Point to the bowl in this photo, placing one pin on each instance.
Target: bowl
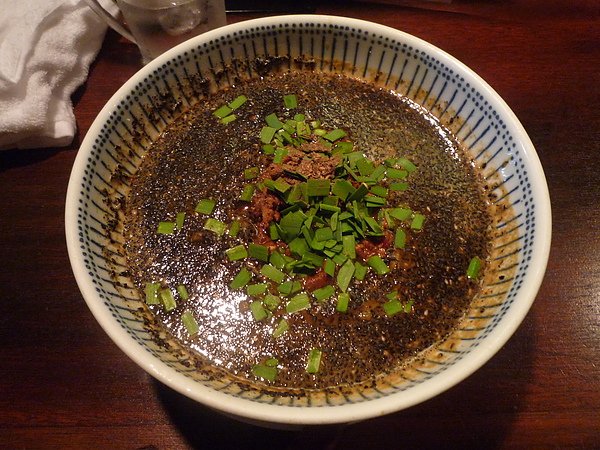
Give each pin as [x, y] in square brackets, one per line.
[486, 127]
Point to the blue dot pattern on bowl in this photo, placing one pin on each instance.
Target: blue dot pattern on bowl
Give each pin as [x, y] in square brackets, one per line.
[390, 63]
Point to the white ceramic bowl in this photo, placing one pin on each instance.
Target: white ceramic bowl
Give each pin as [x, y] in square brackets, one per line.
[480, 119]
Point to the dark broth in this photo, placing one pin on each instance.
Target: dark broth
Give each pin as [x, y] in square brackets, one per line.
[197, 158]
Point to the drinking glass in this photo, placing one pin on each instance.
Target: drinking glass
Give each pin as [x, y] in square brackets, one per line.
[157, 25]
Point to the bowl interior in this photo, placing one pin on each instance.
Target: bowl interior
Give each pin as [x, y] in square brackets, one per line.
[465, 104]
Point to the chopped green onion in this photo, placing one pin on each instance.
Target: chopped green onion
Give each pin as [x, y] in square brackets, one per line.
[374, 201]
[266, 134]
[329, 267]
[393, 307]
[398, 186]
[280, 153]
[359, 193]
[298, 303]
[378, 265]
[349, 243]
[206, 206]
[271, 301]
[151, 292]
[344, 275]
[167, 299]
[290, 101]
[256, 289]
[360, 271]
[343, 189]
[281, 328]
[396, 174]
[342, 302]
[272, 273]
[258, 311]
[268, 149]
[378, 174]
[343, 146]
[289, 287]
[182, 291]
[179, 220]
[166, 227]
[216, 226]
[247, 193]
[400, 213]
[314, 361]
[273, 121]
[236, 253]
[260, 252]
[189, 322]
[408, 306]
[241, 279]
[222, 112]
[237, 102]
[228, 119]
[251, 172]
[234, 228]
[323, 234]
[417, 222]
[264, 372]
[406, 165]
[392, 295]
[334, 135]
[277, 260]
[400, 238]
[324, 292]
[474, 267]
[379, 191]
[318, 187]
[364, 166]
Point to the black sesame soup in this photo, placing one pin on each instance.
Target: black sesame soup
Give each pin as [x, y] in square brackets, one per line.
[307, 230]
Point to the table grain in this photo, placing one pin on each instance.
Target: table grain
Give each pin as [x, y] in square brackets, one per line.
[64, 384]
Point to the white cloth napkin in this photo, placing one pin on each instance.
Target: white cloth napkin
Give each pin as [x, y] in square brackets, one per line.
[46, 48]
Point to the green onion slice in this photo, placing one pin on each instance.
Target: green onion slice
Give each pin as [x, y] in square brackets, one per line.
[166, 227]
[167, 299]
[393, 307]
[290, 101]
[237, 102]
[190, 323]
[205, 206]
[378, 265]
[474, 268]
[241, 279]
[151, 292]
[272, 273]
[264, 372]
[342, 302]
[345, 275]
[314, 361]
[324, 293]
[258, 311]
[236, 253]
[179, 220]
[216, 226]
[182, 291]
[281, 328]
[298, 303]
[256, 289]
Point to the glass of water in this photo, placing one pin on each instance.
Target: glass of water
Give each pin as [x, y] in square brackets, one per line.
[157, 25]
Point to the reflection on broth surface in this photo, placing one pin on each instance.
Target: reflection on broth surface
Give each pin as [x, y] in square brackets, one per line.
[396, 311]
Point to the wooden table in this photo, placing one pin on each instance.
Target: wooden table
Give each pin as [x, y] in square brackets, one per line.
[64, 384]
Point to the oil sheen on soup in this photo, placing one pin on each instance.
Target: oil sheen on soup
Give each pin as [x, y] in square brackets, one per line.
[307, 230]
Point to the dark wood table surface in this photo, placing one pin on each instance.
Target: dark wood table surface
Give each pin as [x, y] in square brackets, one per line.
[64, 384]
